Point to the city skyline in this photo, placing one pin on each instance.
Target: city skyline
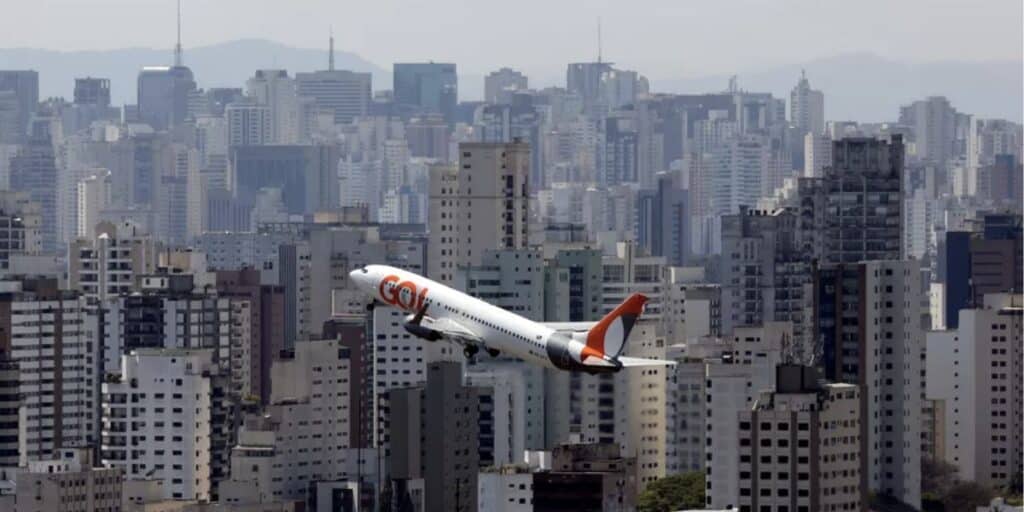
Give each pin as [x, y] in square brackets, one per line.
[633, 38]
[474, 260]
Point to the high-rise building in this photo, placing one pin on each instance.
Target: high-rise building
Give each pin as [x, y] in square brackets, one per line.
[10, 404]
[34, 171]
[434, 431]
[249, 124]
[854, 213]
[109, 262]
[20, 223]
[619, 163]
[56, 349]
[739, 167]
[763, 270]
[163, 95]
[807, 108]
[24, 88]
[92, 91]
[584, 79]
[619, 88]
[593, 476]
[279, 92]
[801, 446]
[430, 87]
[1002, 181]
[168, 312]
[989, 259]
[933, 123]
[94, 196]
[157, 420]
[428, 137]
[302, 435]
[347, 94]
[68, 481]
[978, 390]
[266, 330]
[500, 85]
[731, 383]
[868, 323]
[483, 204]
[663, 220]
[817, 154]
[517, 122]
[306, 175]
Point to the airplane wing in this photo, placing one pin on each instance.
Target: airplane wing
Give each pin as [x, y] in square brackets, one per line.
[628, 362]
[570, 326]
[453, 331]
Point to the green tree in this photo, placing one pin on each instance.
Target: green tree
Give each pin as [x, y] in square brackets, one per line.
[967, 496]
[673, 493]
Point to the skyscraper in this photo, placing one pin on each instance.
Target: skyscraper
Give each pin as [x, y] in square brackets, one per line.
[979, 365]
[854, 212]
[763, 269]
[434, 432]
[584, 78]
[933, 122]
[429, 87]
[739, 167]
[25, 87]
[346, 93]
[249, 124]
[92, 91]
[807, 108]
[483, 204]
[306, 175]
[57, 352]
[786, 435]
[279, 92]
[34, 171]
[163, 91]
[976, 263]
[868, 322]
[500, 85]
[663, 220]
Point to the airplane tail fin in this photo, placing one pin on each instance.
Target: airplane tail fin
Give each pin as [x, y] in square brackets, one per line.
[608, 337]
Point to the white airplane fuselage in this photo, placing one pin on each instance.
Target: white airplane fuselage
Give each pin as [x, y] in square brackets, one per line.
[460, 316]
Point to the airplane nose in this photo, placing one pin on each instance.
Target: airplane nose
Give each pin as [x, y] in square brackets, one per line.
[361, 277]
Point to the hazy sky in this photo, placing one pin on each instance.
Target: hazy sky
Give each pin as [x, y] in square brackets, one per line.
[664, 38]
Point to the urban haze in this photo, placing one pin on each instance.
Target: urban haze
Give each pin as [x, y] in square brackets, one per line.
[663, 256]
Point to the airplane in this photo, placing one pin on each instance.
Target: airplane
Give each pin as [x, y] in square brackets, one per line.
[438, 312]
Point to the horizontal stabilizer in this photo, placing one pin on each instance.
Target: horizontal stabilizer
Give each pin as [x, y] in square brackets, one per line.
[597, 361]
[628, 362]
[570, 326]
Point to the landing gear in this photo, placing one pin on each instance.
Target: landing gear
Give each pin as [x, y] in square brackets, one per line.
[470, 351]
[493, 352]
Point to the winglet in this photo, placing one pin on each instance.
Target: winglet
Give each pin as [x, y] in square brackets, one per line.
[609, 335]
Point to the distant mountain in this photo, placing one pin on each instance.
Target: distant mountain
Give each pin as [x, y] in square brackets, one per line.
[859, 87]
[867, 87]
[227, 64]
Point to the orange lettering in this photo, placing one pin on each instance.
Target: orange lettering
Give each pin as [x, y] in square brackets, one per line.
[386, 294]
[394, 294]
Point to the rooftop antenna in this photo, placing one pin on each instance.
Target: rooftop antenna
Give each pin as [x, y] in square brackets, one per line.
[177, 47]
[598, 39]
[330, 56]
